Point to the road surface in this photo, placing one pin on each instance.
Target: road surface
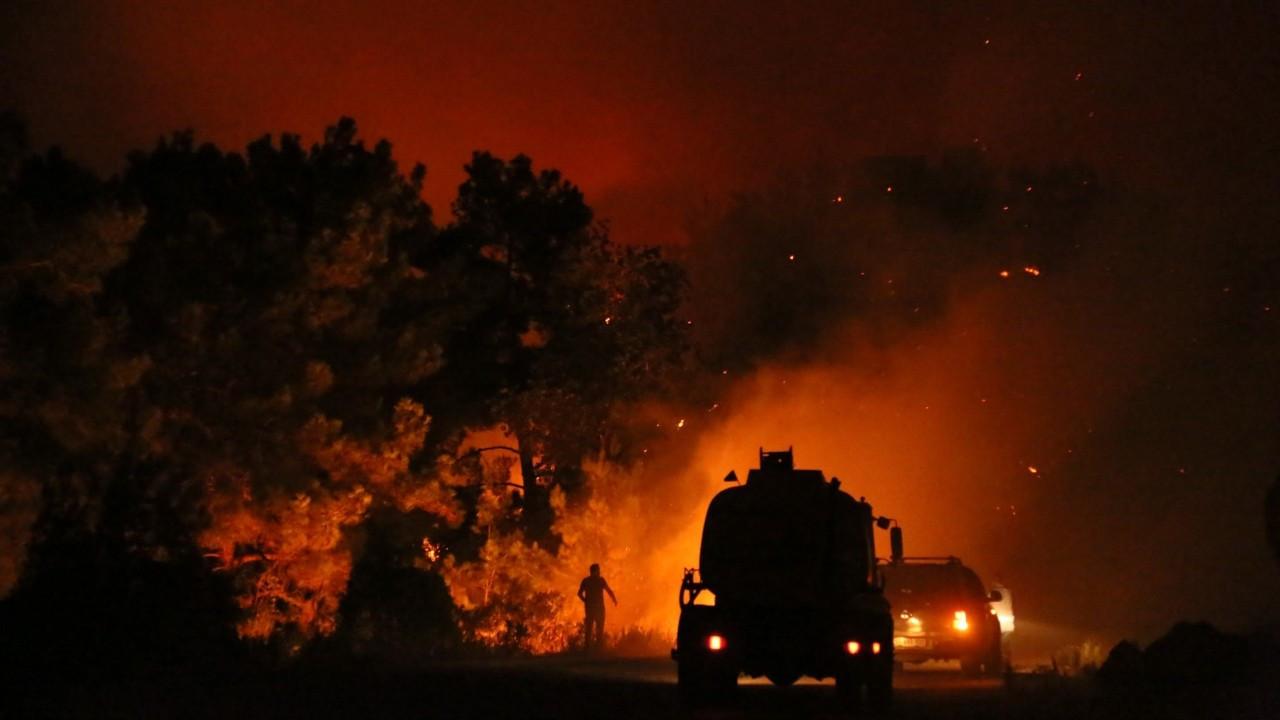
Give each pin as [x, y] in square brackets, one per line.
[573, 687]
[620, 689]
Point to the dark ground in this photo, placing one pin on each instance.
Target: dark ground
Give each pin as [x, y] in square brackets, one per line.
[604, 688]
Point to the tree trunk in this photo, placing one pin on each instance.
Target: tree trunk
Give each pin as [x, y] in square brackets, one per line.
[538, 515]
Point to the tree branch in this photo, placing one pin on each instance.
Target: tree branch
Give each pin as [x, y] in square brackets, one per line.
[477, 451]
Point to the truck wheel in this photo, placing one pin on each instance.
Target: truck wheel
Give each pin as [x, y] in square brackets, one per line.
[701, 686]
[994, 664]
[691, 683]
[725, 685]
[849, 689]
[783, 679]
[880, 685]
[880, 692]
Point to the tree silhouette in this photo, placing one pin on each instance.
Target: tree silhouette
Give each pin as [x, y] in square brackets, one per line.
[1272, 517]
[569, 326]
[248, 368]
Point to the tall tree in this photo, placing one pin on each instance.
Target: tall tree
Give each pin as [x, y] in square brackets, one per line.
[1272, 517]
[571, 327]
[269, 293]
[63, 378]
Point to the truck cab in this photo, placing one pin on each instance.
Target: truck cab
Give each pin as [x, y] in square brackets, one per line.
[789, 559]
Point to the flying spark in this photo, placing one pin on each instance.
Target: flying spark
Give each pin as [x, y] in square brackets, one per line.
[431, 550]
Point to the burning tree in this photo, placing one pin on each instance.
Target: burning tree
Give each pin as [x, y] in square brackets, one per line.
[289, 551]
[572, 327]
[517, 594]
[262, 288]
[256, 353]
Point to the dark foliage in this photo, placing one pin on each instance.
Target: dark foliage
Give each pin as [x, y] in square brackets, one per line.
[233, 385]
[1272, 517]
[1190, 654]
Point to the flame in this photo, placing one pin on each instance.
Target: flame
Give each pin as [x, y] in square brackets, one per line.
[288, 553]
[517, 594]
[431, 550]
[642, 523]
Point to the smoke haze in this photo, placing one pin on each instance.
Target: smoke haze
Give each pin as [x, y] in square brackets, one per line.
[1098, 436]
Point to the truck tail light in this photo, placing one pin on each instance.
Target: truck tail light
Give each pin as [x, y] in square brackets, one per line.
[715, 643]
[853, 646]
[875, 648]
[961, 621]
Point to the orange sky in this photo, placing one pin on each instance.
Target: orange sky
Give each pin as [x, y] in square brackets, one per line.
[652, 108]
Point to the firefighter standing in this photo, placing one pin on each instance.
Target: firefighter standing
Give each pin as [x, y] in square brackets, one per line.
[591, 592]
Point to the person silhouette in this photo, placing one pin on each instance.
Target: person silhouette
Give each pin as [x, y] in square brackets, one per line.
[591, 592]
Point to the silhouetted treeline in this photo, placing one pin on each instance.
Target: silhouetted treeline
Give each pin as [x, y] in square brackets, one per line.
[234, 385]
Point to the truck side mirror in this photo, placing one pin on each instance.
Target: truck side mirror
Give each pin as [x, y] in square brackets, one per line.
[995, 596]
[731, 477]
[895, 544]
